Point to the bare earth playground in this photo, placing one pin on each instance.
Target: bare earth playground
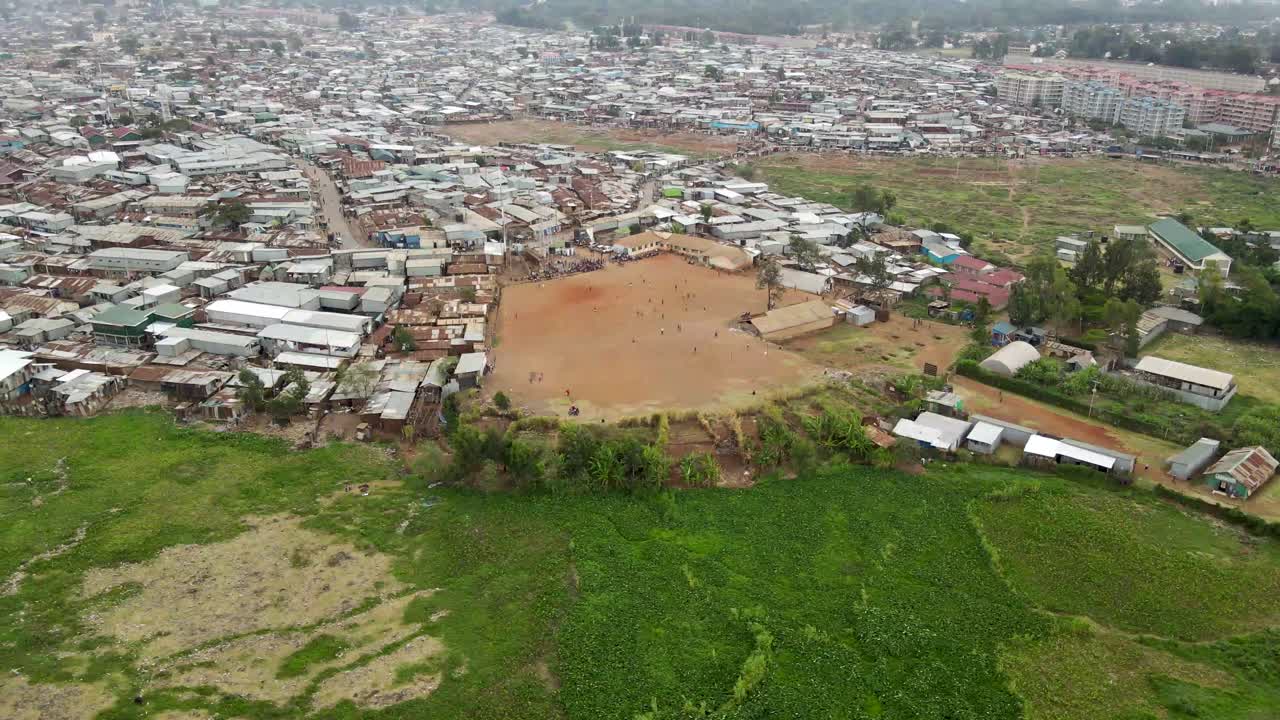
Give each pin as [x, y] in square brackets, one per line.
[636, 338]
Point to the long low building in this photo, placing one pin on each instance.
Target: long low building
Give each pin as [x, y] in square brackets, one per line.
[177, 340]
[1209, 389]
[794, 320]
[283, 338]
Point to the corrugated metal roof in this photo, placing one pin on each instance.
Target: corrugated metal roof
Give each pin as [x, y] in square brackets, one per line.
[1251, 466]
[792, 316]
[1184, 372]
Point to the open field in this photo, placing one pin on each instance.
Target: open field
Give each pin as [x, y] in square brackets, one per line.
[629, 340]
[964, 592]
[591, 139]
[898, 345]
[1255, 365]
[1017, 207]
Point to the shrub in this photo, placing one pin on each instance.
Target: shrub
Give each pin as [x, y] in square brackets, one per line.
[699, 470]
[501, 401]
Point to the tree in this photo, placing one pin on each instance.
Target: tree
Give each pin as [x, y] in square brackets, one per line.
[769, 278]
[1023, 306]
[251, 393]
[1088, 270]
[100, 17]
[501, 401]
[130, 44]
[403, 339]
[277, 48]
[713, 72]
[347, 21]
[706, 212]
[804, 252]
[361, 378]
[294, 41]
[213, 39]
[982, 313]
[232, 213]
[874, 271]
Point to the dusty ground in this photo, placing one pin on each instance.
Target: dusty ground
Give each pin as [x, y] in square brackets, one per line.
[247, 666]
[621, 341]
[589, 139]
[889, 347]
[374, 685]
[276, 575]
[20, 700]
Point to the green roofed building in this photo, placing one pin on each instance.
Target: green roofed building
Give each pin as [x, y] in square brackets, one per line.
[175, 313]
[120, 325]
[1191, 249]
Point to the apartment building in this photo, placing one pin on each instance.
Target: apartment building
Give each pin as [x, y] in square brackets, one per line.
[1022, 88]
[1092, 100]
[1252, 112]
[1150, 117]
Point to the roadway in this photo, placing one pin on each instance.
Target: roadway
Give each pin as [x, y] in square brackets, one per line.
[331, 215]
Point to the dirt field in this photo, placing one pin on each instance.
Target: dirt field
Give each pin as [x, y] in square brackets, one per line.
[889, 347]
[193, 594]
[590, 139]
[621, 341]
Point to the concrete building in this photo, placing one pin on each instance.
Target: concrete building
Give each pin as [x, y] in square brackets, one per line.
[1152, 117]
[1188, 247]
[1208, 389]
[1092, 100]
[123, 261]
[1030, 89]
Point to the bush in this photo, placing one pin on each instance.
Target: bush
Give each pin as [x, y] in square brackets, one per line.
[699, 470]
[501, 401]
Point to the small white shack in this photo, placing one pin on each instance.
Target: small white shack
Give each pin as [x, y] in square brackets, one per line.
[984, 438]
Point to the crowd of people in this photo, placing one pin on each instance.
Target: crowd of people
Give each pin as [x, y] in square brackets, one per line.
[562, 268]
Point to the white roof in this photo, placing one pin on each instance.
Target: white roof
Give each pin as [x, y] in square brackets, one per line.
[12, 361]
[985, 433]
[470, 363]
[1050, 448]
[310, 336]
[920, 433]
[241, 307]
[311, 360]
[1184, 372]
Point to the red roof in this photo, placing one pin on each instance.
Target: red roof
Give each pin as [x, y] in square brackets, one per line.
[1004, 277]
[120, 132]
[970, 262]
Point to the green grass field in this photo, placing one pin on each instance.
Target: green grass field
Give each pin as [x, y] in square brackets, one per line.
[1015, 208]
[1255, 365]
[851, 593]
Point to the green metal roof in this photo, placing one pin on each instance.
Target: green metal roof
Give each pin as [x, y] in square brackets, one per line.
[172, 310]
[121, 316]
[1181, 238]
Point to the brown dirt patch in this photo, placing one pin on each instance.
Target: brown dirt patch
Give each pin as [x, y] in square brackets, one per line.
[373, 685]
[893, 346]
[622, 341]
[21, 700]
[587, 138]
[275, 575]
[247, 666]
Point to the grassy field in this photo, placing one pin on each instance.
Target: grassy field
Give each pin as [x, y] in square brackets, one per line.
[1255, 365]
[218, 575]
[1015, 208]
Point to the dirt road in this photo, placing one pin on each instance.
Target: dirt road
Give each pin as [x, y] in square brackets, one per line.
[331, 206]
